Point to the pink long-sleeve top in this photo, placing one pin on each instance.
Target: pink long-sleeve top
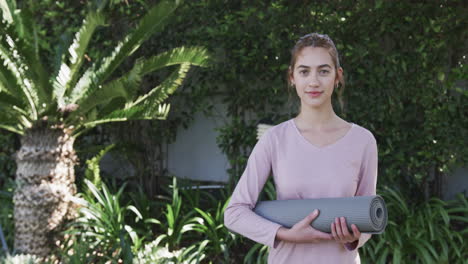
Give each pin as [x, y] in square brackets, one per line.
[345, 168]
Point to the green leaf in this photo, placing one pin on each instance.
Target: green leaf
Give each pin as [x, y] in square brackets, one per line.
[10, 82]
[152, 221]
[94, 191]
[159, 111]
[383, 257]
[132, 233]
[154, 21]
[209, 219]
[135, 210]
[8, 101]
[11, 114]
[69, 71]
[197, 56]
[13, 61]
[147, 106]
[22, 42]
[441, 76]
[125, 86]
[423, 252]
[13, 128]
[161, 92]
[396, 256]
[8, 10]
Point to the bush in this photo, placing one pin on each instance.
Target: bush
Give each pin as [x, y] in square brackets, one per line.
[102, 224]
[431, 232]
[154, 253]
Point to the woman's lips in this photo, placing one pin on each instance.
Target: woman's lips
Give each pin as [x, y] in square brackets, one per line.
[314, 94]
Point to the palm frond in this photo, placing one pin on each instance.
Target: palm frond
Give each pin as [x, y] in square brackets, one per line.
[8, 100]
[197, 56]
[154, 21]
[10, 120]
[14, 63]
[8, 112]
[8, 11]
[166, 88]
[24, 40]
[29, 23]
[20, 20]
[14, 116]
[157, 111]
[10, 84]
[68, 73]
[147, 106]
[125, 87]
[13, 128]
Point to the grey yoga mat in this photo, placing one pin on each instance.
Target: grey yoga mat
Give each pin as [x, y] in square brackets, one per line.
[368, 213]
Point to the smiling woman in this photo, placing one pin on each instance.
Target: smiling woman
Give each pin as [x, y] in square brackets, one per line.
[317, 154]
[315, 69]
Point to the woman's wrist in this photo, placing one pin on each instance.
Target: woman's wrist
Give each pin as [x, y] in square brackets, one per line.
[283, 234]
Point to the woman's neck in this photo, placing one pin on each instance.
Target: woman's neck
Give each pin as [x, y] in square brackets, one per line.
[317, 118]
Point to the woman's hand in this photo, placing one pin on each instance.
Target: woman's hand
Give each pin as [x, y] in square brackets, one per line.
[340, 231]
[303, 232]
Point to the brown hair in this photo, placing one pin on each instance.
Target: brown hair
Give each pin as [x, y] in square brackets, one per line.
[315, 40]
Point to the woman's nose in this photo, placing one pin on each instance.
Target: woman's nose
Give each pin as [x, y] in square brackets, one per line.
[313, 81]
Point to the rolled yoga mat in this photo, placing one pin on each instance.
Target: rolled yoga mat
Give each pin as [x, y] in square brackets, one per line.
[368, 213]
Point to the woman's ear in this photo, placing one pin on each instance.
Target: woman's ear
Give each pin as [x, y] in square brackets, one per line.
[290, 75]
[339, 75]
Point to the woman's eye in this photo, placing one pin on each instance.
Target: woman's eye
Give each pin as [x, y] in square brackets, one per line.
[303, 72]
[324, 71]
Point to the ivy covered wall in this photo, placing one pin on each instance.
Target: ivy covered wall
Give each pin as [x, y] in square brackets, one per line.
[404, 62]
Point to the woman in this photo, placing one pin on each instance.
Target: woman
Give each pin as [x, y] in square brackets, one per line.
[317, 154]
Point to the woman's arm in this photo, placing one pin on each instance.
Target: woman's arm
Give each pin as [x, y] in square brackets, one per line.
[303, 232]
[367, 183]
[238, 216]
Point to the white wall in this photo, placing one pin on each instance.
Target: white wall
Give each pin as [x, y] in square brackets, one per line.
[456, 183]
[195, 153]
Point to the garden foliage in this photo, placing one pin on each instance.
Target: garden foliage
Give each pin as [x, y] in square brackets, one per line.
[405, 71]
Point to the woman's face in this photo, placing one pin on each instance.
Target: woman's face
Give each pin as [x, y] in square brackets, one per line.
[314, 76]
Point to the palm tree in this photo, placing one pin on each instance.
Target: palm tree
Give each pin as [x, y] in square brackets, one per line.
[51, 109]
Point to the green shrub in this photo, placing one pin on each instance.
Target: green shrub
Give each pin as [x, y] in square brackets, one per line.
[153, 253]
[431, 232]
[175, 222]
[258, 253]
[216, 239]
[102, 224]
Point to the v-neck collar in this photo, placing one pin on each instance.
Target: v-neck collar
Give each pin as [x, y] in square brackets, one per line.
[323, 147]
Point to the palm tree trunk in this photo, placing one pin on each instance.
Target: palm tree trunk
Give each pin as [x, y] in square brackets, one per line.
[45, 181]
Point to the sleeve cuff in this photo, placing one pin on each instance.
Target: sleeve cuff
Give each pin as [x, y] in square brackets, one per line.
[275, 242]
